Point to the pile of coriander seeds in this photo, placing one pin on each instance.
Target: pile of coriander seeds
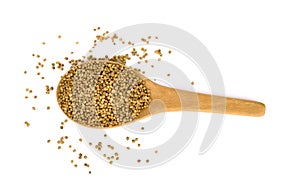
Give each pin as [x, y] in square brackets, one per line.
[102, 94]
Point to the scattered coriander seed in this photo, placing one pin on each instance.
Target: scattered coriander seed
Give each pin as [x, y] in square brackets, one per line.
[72, 161]
[85, 157]
[74, 150]
[75, 165]
[128, 148]
[27, 123]
[90, 172]
[59, 36]
[25, 72]
[48, 141]
[76, 43]
[127, 138]
[169, 51]
[44, 43]
[59, 147]
[35, 97]
[48, 107]
[158, 52]
[168, 74]
[26, 97]
[61, 127]
[142, 128]
[138, 161]
[70, 146]
[139, 145]
[90, 143]
[80, 139]
[33, 108]
[147, 161]
[192, 83]
[110, 162]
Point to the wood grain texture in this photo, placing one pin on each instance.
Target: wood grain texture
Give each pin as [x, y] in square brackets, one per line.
[165, 99]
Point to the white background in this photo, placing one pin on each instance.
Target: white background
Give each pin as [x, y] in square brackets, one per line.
[256, 45]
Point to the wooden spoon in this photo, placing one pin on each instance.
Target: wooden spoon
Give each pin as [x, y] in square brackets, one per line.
[165, 99]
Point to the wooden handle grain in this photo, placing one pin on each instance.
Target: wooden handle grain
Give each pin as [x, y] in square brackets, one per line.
[181, 100]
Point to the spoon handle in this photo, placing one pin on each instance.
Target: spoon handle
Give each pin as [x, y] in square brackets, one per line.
[218, 104]
[181, 100]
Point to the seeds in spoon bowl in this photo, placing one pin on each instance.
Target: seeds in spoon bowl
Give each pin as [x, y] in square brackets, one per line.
[102, 94]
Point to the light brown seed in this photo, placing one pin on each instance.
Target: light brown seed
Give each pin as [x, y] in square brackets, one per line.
[27, 123]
